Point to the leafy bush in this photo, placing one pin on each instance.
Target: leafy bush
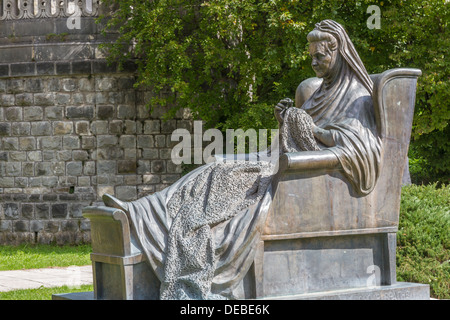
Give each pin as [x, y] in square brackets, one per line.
[423, 238]
[230, 61]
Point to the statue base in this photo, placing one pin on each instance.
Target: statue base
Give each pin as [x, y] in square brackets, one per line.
[397, 291]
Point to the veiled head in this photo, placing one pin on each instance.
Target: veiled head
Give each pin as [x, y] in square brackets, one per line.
[323, 49]
[338, 46]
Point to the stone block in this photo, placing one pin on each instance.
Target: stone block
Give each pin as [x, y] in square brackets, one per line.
[71, 142]
[105, 112]
[44, 99]
[33, 113]
[150, 154]
[52, 143]
[11, 211]
[74, 168]
[54, 113]
[19, 128]
[28, 170]
[129, 127]
[115, 127]
[5, 225]
[126, 193]
[5, 129]
[151, 178]
[126, 112]
[21, 226]
[52, 226]
[27, 143]
[101, 190]
[80, 112]
[21, 182]
[58, 168]
[59, 211]
[80, 155]
[48, 155]
[160, 141]
[45, 68]
[106, 167]
[42, 211]
[145, 141]
[13, 114]
[16, 86]
[43, 169]
[81, 67]
[184, 124]
[36, 225]
[69, 225]
[41, 128]
[173, 168]
[62, 99]
[13, 169]
[24, 99]
[27, 211]
[168, 126]
[88, 142]
[158, 166]
[64, 155]
[101, 98]
[126, 166]
[78, 98]
[85, 84]
[152, 126]
[62, 127]
[169, 178]
[23, 69]
[34, 156]
[82, 127]
[127, 141]
[33, 85]
[68, 85]
[105, 84]
[104, 141]
[89, 168]
[102, 66]
[6, 182]
[50, 182]
[10, 143]
[62, 68]
[4, 70]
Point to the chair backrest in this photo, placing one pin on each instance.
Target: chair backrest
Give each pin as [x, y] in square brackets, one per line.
[394, 98]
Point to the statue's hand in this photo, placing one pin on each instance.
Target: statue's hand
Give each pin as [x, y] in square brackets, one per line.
[281, 107]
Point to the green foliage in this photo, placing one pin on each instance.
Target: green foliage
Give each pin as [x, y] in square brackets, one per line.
[423, 238]
[231, 61]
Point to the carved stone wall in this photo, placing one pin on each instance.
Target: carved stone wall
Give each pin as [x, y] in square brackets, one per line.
[72, 127]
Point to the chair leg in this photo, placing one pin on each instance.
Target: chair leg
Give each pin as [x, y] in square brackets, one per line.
[127, 282]
[389, 273]
[258, 265]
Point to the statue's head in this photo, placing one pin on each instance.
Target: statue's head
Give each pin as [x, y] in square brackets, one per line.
[330, 47]
[323, 49]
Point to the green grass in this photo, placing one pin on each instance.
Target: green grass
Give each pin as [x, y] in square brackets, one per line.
[41, 293]
[423, 239]
[42, 256]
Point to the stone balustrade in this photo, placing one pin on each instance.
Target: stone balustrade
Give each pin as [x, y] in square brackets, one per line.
[38, 9]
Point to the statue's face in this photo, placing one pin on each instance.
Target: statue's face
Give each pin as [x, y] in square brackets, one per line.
[322, 59]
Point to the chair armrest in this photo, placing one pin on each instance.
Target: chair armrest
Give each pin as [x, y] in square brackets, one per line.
[110, 230]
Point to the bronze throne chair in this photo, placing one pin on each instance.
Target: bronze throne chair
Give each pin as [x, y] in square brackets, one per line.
[320, 239]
